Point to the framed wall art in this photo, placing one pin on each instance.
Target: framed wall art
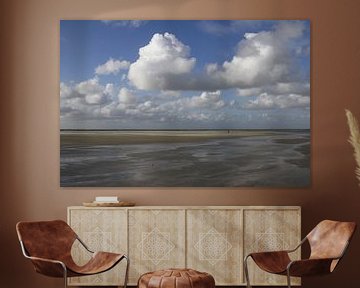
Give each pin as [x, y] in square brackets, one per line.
[182, 103]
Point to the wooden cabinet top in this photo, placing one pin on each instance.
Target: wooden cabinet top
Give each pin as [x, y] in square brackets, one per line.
[194, 207]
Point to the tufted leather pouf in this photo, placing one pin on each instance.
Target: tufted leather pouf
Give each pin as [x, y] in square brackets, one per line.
[176, 278]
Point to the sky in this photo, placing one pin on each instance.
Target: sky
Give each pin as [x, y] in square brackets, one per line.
[180, 74]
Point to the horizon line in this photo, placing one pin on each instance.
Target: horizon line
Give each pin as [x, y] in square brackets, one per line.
[206, 129]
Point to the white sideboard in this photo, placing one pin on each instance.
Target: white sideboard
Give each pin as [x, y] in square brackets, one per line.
[212, 239]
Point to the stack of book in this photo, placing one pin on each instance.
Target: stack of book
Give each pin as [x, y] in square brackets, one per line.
[106, 199]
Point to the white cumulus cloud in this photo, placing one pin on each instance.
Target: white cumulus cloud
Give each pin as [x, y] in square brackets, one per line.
[211, 100]
[249, 91]
[112, 67]
[202, 108]
[266, 101]
[161, 63]
[85, 99]
[262, 59]
[126, 98]
[65, 91]
[94, 92]
[279, 88]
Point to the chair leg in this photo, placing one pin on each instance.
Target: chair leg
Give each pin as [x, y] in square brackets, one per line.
[127, 271]
[246, 270]
[65, 276]
[288, 278]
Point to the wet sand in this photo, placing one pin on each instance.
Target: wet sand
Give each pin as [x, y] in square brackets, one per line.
[185, 158]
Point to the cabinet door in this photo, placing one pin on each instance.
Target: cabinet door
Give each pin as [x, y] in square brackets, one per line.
[100, 230]
[214, 244]
[270, 230]
[156, 240]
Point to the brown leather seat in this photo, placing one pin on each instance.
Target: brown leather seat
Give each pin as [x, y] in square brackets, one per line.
[48, 245]
[328, 242]
[176, 278]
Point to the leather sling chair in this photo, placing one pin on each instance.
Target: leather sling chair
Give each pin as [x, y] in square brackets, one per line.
[48, 245]
[328, 242]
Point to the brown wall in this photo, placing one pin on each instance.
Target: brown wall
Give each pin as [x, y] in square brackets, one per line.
[29, 111]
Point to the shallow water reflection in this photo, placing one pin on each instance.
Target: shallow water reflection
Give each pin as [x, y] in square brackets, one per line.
[280, 159]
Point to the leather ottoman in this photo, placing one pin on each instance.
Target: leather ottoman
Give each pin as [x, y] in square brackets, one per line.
[176, 278]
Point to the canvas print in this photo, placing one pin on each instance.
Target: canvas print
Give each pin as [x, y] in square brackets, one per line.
[184, 103]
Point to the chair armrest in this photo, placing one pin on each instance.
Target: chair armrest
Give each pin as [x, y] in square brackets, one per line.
[268, 254]
[45, 260]
[298, 246]
[309, 267]
[280, 251]
[83, 244]
[48, 267]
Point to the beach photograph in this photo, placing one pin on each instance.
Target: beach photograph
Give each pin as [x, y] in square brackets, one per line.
[178, 103]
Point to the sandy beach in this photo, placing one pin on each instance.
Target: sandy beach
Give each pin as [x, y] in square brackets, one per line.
[93, 137]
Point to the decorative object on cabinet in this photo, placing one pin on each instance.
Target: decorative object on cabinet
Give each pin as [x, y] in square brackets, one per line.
[48, 245]
[109, 204]
[328, 242]
[204, 238]
[176, 278]
[106, 199]
[185, 103]
[354, 140]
